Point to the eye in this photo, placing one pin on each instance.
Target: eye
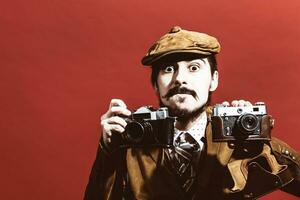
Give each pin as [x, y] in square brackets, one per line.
[194, 67]
[168, 69]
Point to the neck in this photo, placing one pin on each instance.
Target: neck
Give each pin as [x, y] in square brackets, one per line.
[185, 123]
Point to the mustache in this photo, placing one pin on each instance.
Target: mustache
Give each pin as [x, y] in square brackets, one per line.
[179, 90]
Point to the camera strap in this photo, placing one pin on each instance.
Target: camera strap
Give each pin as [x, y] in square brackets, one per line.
[246, 174]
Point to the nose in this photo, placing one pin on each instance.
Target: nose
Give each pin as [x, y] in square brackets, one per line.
[180, 77]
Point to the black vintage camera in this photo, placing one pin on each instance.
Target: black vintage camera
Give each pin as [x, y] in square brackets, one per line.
[149, 127]
[241, 123]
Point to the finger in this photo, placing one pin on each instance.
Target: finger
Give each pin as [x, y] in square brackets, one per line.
[117, 102]
[248, 103]
[117, 120]
[235, 103]
[106, 128]
[117, 110]
[117, 128]
[114, 103]
[225, 103]
[110, 129]
[105, 116]
[241, 103]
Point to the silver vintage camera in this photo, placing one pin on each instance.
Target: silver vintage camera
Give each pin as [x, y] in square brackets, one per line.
[241, 123]
[149, 127]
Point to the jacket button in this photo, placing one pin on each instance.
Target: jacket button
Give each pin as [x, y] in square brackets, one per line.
[286, 152]
[231, 145]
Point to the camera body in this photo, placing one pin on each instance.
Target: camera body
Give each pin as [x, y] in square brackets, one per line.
[251, 123]
[149, 127]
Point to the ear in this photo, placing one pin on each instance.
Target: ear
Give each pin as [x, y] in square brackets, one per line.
[214, 81]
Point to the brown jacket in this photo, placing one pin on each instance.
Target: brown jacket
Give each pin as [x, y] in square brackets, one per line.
[225, 171]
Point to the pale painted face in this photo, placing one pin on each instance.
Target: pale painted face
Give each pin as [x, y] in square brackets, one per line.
[184, 86]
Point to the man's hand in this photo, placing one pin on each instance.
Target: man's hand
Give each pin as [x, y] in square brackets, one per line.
[237, 103]
[112, 123]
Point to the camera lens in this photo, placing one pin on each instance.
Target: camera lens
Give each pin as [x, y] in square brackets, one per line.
[135, 131]
[248, 123]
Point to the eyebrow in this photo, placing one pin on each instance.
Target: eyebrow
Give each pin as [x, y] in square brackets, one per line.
[163, 65]
[166, 64]
[194, 61]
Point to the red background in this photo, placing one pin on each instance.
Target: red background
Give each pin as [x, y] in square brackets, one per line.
[62, 61]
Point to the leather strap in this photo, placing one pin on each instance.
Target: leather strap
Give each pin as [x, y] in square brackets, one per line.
[246, 173]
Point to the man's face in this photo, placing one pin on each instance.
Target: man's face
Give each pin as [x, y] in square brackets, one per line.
[184, 86]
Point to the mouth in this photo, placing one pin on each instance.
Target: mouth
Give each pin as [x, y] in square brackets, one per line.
[180, 98]
[181, 95]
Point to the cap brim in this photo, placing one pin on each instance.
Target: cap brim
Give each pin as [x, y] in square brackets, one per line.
[175, 55]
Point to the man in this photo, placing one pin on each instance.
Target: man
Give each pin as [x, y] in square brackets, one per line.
[184, 74]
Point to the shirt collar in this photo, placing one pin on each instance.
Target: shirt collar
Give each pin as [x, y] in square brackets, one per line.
[197, 131]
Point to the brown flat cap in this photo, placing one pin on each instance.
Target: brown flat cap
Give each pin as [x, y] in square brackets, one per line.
[180, 41]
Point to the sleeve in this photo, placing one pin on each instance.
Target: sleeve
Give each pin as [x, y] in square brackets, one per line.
[287, 156]
[106, 178]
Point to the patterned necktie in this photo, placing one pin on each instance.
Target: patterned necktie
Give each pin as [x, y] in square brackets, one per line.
[183, 158]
